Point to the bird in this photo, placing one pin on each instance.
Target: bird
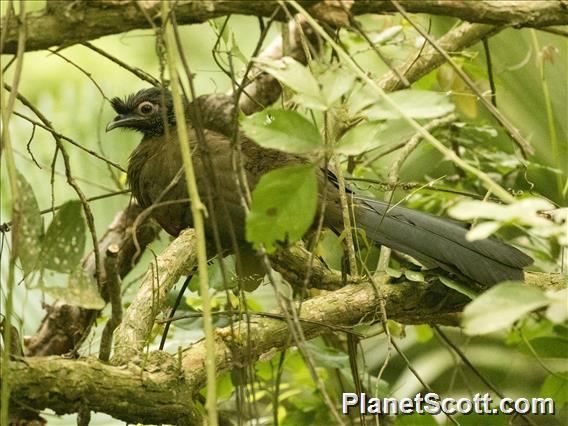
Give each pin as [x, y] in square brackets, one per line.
[155, 167]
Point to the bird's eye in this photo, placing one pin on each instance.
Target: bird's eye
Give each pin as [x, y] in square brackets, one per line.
[146, 108]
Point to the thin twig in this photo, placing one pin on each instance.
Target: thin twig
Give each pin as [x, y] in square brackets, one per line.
[418, 377]
[525, 146]
[56, 134]
[489, 63]
[85, 72]
[70, 179]
[171, 315]
[413, 185]
[5, 227]
[28, 146]
[353, 22]
[6, 112]
[553, 30]
[197, 213]
[472, 367]
[113, 288]
[142, 75]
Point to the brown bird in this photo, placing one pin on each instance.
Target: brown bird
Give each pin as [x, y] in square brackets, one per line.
[154, 172]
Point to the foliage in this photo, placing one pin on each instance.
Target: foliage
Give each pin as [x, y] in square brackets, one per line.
[283, 206]
[59, 249]
[512, 331]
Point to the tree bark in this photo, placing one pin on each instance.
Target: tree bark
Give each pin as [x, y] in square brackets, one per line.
[75, 22]
[159, 388]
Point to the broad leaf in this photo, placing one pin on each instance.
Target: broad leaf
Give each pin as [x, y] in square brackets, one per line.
[336, 83]
[387, 134]
[416, 104]
[81, 290]
[482, 230]
[330, 249]
[524, 211]
[423, 332]
[284, 130]
[359, 139]
[557, 311]
[415, 276]
[500, 306]
[556, 387]
[64, 241]
[283, 206]
[297, 77]
[393, 272]
[546, 347]
[30, 227]
[460, 288]
[327, 356]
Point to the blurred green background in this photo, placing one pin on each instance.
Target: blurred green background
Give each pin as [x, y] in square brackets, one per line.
[531, 74]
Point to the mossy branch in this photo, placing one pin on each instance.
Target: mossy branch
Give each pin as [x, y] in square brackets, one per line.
[79, 21]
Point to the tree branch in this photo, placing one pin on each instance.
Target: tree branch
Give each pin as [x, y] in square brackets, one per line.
[65, 326]
[176, 260]
[56, 336]
[162, 392]
[80, 21]
[129, 394]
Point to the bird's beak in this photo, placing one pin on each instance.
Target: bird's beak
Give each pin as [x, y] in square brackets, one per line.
[122, 121]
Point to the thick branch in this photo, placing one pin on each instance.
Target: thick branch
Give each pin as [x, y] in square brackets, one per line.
[129, 394]
[517, 13]
[79, 21]
[162, 275]
[462, 37]
[161, 393]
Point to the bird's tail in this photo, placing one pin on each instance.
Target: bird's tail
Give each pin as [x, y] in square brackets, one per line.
[439, 242]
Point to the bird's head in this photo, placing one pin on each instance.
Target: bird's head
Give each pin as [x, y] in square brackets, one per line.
[144, 111]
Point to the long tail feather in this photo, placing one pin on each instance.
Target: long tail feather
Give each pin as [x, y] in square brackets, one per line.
[441, 242]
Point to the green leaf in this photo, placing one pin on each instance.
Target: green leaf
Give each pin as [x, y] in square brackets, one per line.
[336, 82]
[29, 233]
[330, 249]
[557, 311]
[460, 288]
[328, 356]
[524, 211]
[500, 306]
[359, 139]
[236, 52]
[388, 133]
[423, 332]
[415, 276]
[215, 276]
[416, 104]
[64, 241]
[482, 230]
[546, 347]
[297, 77]
[81, 290]
[393, 272]
[224, 386]
[283, 206]
[556, 387]
[281, 129]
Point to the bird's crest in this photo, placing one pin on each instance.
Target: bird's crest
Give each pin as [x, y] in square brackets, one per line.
[129, 103]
